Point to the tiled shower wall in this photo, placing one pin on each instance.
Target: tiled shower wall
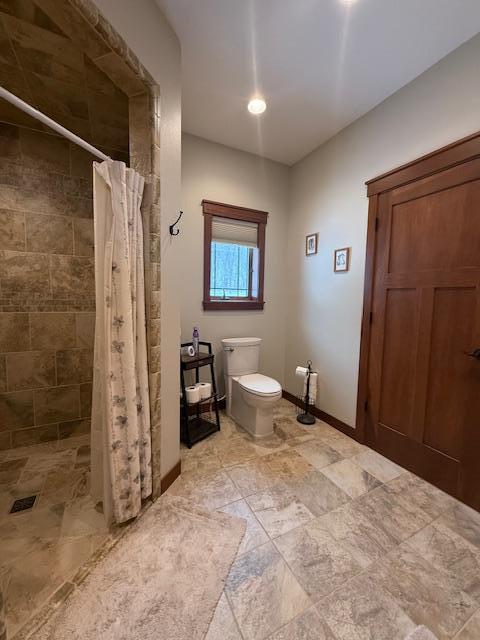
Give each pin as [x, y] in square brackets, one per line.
[47, 289]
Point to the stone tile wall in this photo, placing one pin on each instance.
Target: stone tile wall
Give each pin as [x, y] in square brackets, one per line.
[47, 287]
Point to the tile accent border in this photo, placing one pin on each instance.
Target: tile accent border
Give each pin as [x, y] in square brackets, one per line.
[125, 69]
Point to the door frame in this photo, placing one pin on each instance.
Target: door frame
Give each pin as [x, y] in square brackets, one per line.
[446, 157]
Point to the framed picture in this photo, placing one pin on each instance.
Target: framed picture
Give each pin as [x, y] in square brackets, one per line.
[342, 259]
[311, 244]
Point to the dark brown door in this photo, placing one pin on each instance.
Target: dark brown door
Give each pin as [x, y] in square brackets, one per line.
[423, 388]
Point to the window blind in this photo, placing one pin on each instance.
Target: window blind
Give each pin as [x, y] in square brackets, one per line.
[235, 232]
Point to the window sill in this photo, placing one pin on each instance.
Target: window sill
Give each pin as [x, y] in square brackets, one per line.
[233, 305]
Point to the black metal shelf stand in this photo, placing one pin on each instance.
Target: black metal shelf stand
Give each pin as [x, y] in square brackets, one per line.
[195, 427]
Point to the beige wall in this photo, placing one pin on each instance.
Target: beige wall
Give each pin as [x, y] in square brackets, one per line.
[216, 172]
[152, 39]
[328, 196]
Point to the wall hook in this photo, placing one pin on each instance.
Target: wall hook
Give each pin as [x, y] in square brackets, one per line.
[173, 231]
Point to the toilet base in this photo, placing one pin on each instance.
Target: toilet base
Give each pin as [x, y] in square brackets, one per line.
[257, 421]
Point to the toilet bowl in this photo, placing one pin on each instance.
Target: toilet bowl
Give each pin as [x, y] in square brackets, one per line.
[251, 396]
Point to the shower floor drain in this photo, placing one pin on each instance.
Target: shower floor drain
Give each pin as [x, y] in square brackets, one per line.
[22, 504]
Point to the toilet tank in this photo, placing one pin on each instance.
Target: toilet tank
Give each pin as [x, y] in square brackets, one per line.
[241, 355]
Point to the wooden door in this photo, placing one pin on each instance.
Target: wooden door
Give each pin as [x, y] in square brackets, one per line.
[423, 389]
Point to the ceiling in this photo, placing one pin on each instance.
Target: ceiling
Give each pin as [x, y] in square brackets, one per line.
[320, 64]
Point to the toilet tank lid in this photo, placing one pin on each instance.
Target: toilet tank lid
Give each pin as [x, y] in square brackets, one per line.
[241, 342]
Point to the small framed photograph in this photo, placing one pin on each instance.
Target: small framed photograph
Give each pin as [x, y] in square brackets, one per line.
[311, 244]
[342, 259]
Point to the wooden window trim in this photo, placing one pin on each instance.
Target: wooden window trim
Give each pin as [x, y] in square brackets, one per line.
[219, 209]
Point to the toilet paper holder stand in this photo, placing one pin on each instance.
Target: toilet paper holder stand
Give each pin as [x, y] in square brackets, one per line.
[306, 417]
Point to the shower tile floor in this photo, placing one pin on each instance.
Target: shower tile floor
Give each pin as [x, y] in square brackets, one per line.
[42, 548]
[341, 543]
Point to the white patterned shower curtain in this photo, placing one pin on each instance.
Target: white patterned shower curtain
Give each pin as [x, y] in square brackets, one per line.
[121, 458]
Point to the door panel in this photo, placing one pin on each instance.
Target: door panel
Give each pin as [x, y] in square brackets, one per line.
[398, 388]
[449, 246]
[423, 390]
[449, 378]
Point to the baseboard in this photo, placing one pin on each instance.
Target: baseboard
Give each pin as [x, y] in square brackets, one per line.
[171, 476]
[322, 415]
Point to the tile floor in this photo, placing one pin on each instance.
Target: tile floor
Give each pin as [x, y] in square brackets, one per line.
[341, 543]
[43, 548]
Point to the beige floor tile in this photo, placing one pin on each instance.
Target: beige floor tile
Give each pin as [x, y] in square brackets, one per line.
[287, 427]
[346, 446]
[201, 464]
[318, 453]
[351, 478]
[365, 541]
[264, 593]
[464, 521]
[32, 582]
[427, 595]
[448, 551]
[414, 493]
[44, 546]
[45, 522]
[361, 609]
[382, 468]
[255, 534]
[319, 562]
[471, 630]
[278, 510]
[302, 439]
[15, 544]
[45, 463]
[288, 464]
[236, 452]
[10, 470]
[203, 448]
[73, 443]
[223, 625]
[82, 518]
[267, 445]
[317, 492]
[212, 491]
[31, 450]
[398, 521]
[307, 626]
[253, 476]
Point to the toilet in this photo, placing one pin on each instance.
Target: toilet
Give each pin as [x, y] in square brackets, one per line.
[251, 396]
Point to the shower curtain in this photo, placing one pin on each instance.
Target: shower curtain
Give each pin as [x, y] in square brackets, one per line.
[121, 473]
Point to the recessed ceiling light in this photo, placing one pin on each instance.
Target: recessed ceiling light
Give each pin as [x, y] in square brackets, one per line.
[348, 2]
[257, 106]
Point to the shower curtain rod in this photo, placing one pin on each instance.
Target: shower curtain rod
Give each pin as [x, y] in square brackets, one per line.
[38, 115]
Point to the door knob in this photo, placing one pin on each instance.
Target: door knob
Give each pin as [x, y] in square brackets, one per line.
[474, 354]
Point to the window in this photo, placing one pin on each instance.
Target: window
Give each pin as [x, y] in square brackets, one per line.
[233, 257]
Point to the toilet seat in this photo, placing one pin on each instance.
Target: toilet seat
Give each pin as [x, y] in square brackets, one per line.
[260, 385]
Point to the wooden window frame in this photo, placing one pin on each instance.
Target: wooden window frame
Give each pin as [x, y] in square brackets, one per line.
[213, 209]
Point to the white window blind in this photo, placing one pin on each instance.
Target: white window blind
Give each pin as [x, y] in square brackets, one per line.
[235, 232]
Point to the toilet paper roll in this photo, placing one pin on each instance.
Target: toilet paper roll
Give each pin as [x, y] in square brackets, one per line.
[312, 390]
[205, 389]
[193, 394]
[301, 372]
